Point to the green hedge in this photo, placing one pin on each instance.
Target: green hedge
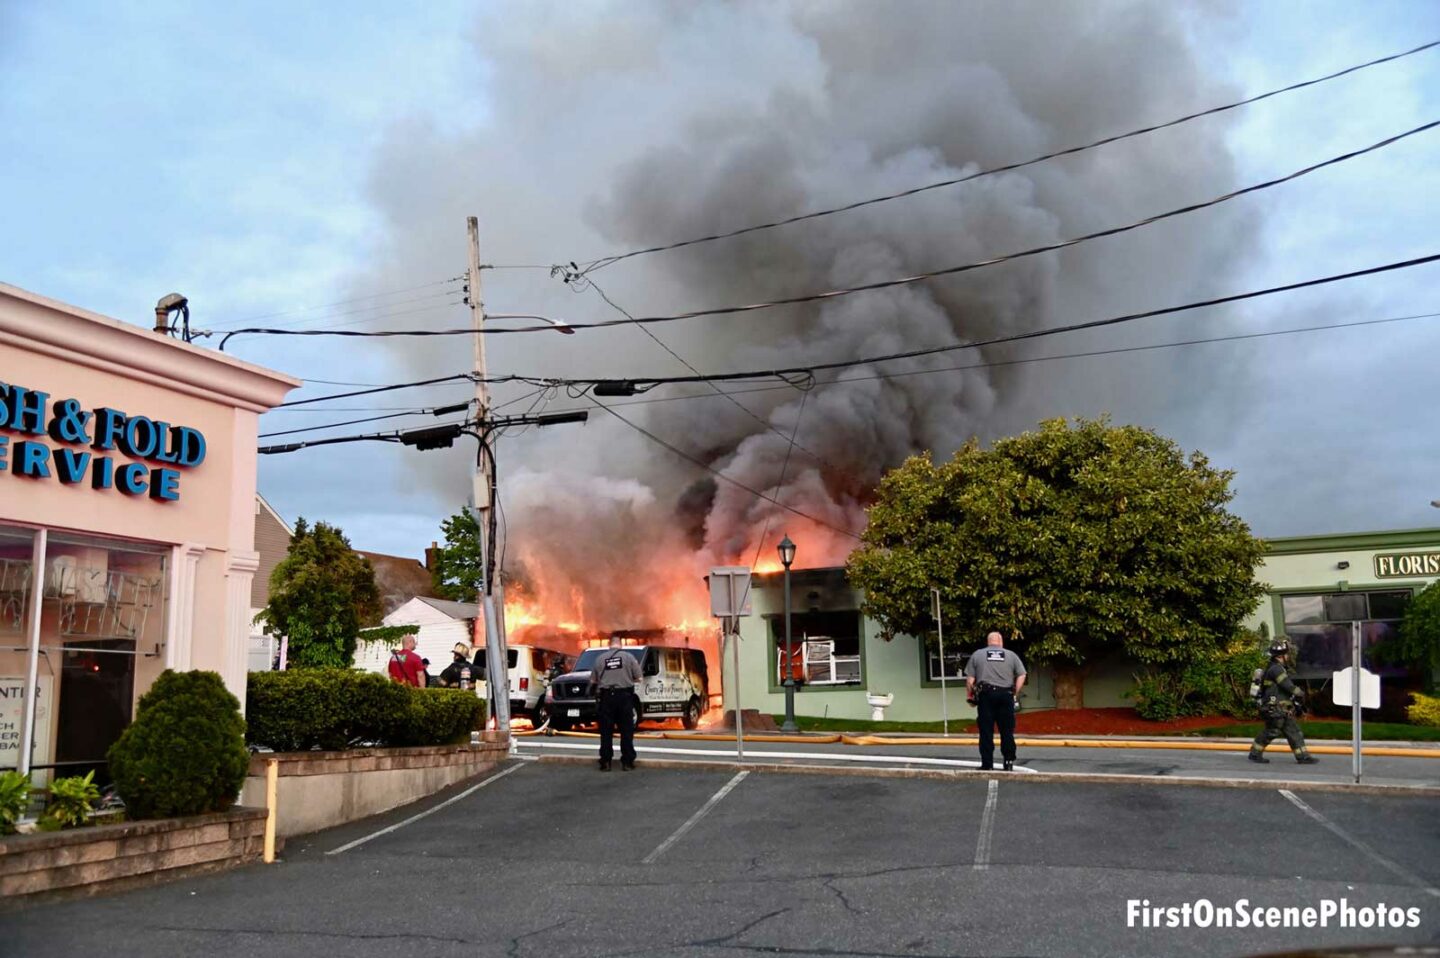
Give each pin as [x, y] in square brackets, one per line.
[302, 709]
[1214, 683]
[185, 752]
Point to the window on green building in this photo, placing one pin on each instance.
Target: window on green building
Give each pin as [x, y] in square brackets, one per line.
[825, 647]
[1320, 626]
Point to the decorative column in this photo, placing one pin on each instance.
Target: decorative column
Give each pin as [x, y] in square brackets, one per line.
[180, 633]
[239, 572]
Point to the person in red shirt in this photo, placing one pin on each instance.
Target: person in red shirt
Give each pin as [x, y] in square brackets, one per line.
[405, 666]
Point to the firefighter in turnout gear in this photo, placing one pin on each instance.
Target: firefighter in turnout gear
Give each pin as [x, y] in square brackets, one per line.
[1279, 700]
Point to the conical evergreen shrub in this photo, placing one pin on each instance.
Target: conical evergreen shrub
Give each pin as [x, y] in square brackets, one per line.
[185, 752]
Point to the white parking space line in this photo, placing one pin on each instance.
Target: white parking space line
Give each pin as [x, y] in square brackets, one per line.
[690, 822]
[429, 811]
[1375, 856]
[753, 753]
[987, 828]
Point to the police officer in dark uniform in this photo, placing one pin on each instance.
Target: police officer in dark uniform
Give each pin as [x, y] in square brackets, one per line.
[1279, 701]
[614, 678]
[994, 677]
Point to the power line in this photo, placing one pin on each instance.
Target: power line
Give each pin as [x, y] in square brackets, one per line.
[717, 473]
[604, 261]
[1052, 330]
[342, 302]
[369, 314]
[1033, 251]
[989, 364]
[883, 284]
[377, 389]
[351, 422]
[331, 410]
[438, 436]
[733, 401]
[914, 353]
[394, 436]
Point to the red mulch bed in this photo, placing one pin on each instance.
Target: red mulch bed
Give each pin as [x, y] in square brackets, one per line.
[1115, 721]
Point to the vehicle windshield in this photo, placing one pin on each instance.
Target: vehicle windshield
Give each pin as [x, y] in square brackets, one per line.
[586, 662]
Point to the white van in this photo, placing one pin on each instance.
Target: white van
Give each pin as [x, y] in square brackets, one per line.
[676, 685]
[529, 668]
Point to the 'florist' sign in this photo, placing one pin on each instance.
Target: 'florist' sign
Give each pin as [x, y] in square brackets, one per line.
[74, 432]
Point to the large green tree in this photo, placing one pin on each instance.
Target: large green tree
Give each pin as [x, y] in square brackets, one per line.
[1076, 539]
[456, 569]
[321, 594]
[1418, 644]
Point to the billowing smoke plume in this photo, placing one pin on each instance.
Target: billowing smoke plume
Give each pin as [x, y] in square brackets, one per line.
[607, 127]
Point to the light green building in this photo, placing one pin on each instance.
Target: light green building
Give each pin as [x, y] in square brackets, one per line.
[1318, 586]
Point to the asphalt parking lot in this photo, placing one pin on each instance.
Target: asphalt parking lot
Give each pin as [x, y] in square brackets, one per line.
[559, 859]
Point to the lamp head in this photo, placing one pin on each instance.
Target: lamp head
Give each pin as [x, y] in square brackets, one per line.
[787, 552]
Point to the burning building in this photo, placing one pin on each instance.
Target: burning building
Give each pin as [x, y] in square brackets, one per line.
[646, 123]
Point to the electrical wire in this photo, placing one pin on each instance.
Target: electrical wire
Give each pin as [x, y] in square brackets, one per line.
[869, 287]
[342, 302]
[604, 261]
[587, 281]
[1009, 257]
[393, 437]
[718, 474]
[428, 411]
[331, 410]
[377, 389]
[990, 364]
[1052, 330]
[930, 351]
[765, 529]
[374, 314]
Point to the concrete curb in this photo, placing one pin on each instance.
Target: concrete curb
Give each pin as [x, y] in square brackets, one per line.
[970, 741]
[1063, 778]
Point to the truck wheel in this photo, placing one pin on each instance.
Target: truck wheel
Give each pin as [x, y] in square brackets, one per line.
[635, 711]
[691, 718]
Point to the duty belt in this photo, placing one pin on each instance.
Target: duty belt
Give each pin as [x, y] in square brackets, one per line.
[987, 687]
[612, 688]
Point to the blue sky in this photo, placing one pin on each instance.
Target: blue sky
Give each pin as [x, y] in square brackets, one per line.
[229, 152]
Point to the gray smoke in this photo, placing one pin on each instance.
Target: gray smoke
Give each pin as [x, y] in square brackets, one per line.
[609, 126]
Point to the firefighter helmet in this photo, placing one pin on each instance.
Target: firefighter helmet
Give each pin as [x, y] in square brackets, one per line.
[1281, 646]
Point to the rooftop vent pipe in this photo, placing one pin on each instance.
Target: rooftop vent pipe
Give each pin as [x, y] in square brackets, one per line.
[174, 303]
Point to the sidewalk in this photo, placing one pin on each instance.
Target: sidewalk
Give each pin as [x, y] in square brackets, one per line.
[1419, 750]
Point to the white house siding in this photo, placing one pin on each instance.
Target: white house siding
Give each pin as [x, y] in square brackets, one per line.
[439, 631]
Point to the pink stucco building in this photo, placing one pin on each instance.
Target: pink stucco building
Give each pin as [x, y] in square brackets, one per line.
[127, 522]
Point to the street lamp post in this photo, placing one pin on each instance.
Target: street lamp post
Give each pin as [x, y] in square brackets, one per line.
[787, 556]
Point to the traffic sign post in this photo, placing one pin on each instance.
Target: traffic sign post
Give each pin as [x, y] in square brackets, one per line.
[729, 600]
[1358, 688]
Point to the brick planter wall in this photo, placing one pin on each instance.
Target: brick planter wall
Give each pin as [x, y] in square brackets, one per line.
[83, 861]
[318, 790]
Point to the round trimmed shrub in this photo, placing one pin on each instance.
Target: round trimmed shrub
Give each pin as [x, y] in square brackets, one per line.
[185, 752]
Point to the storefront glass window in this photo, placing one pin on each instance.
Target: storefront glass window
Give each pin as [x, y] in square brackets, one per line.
[17, 550]
[1320, 628]
[104, 609]
[1304, 609]
[16, 575]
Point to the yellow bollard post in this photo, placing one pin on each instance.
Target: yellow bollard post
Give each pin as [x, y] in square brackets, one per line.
[272, 787]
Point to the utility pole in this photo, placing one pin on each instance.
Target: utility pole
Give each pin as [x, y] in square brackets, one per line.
[496, 671]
